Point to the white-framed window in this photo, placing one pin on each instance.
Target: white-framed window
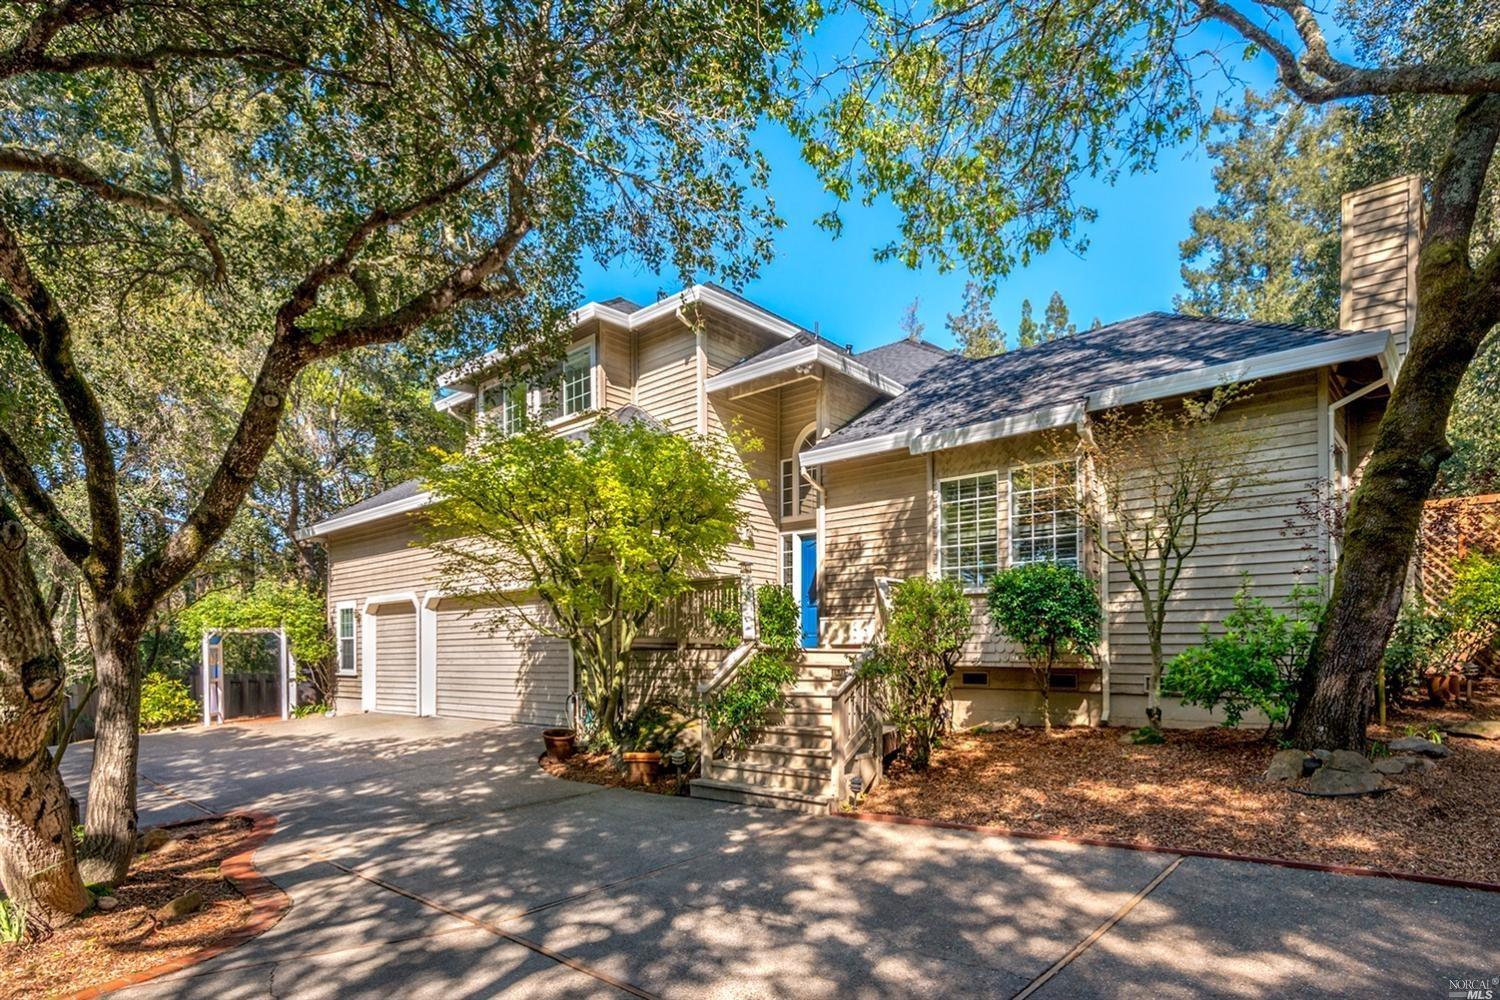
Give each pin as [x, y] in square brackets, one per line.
[788, 544]
[969, 529]
[345, 613]
[1044, 523]
[575, 385]
[504, 406]
[788, 486]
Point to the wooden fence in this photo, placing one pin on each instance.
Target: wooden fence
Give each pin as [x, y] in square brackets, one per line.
[1452, 529]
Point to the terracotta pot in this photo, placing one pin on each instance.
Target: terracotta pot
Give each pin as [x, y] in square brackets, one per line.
[641, 766]
[559, 743]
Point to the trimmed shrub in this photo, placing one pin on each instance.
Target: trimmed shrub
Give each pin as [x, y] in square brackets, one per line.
[1052, 611]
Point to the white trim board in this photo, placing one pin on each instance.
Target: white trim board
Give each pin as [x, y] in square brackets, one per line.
[812, 354]
[701, 294]
[342, 521]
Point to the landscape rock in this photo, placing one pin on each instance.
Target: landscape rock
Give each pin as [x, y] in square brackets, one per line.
[1392, 765]
[1332, 781]
[1418, 744]
[1286, 765]
[188, 902]
[1322, 755]
[106, 903]
[998, 727]
[153, 839]
[1347, 760]
[1480, 730]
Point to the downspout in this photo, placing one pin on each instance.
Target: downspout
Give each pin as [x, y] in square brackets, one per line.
[1333, 408]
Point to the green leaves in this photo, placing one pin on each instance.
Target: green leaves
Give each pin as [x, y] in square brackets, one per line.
[1049, 609]
[603, 528]
[1256, 664]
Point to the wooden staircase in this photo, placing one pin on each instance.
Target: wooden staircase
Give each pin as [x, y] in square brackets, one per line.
[790, 764]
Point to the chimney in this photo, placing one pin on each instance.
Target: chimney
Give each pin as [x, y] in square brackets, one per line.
[1379, 237]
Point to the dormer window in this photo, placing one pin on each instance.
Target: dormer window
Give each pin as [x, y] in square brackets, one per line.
[576, 382]
[504, 406]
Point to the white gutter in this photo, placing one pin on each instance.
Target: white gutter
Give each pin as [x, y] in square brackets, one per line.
[815, 353]
[1351, 348]
[1024, 423]
[342, 521]
[456, 398]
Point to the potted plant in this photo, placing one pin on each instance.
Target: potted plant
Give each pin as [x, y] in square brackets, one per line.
[642, 739]
[559, 743]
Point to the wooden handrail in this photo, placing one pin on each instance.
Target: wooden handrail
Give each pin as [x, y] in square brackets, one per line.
[851, 723]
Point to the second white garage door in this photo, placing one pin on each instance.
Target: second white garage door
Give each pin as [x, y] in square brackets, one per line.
[505, 675]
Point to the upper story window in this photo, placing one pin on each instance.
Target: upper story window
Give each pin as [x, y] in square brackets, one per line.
[504, 405]
[574, 392]
[969, 529]
[1043, 514]
[796, 482]
[569, 393]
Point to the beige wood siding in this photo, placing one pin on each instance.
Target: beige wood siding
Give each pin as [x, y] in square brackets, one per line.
[396, 659]
[875, 525]
[615, 363]
[489, 670]
[666, 373]
[1380, 239]
[370, 561]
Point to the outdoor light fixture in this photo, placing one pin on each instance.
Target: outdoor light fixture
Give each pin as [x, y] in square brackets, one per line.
[678, 758]
[856, 785]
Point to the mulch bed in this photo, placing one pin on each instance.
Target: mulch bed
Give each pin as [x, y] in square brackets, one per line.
[1203, 790]
[99, 947]
[598, 769]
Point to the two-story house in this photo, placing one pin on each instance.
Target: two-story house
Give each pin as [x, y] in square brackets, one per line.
[901, 460]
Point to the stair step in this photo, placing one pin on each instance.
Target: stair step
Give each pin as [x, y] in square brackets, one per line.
[810, 737]
[782, 755]
[809, 781]
[801, 718]
[828, 657]
[756, 795]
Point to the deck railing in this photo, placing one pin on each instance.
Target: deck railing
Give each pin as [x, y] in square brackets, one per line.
[690, 619]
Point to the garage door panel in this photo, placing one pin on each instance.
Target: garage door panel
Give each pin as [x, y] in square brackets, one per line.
[396, 661]
[506, 674]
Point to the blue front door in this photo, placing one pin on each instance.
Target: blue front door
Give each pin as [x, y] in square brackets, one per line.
[809, 595]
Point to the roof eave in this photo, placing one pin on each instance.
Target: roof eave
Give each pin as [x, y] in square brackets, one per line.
[341, 522]
[748, 371]
[1354, 347]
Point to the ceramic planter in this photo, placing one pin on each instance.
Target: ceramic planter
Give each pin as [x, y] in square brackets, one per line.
[641, 766]
[559, 743]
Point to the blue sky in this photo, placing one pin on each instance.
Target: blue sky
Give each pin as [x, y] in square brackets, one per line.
[1130, 267]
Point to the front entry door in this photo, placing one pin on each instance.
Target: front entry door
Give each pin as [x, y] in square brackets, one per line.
[807, 574]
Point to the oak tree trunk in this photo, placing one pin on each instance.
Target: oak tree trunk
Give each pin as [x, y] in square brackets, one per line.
[1385, 514]
[110, 823]
[37, 866]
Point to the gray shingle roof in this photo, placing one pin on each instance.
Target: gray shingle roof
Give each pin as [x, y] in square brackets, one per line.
[904, 360]
[405, 491]
[957, 392]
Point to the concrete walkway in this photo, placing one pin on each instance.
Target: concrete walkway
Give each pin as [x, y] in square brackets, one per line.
[433, 858]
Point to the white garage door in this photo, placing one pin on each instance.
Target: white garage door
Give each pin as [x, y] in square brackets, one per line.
[396, 659]
[509, 675]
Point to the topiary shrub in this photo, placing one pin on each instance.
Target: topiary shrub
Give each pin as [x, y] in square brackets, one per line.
[1052, 611]
[910, 667]
[1256, 664]
[166, 701]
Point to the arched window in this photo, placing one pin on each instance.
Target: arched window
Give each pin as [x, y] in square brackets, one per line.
[796, 490]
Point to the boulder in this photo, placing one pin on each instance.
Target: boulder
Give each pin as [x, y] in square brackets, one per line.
[1479, 730]
[107, 903]
[1392, 765]
[1332, 781]
[153, 839]
[188, 902]
[1347, 760]
[1323, 755]
[1418, 745]
[1286, 765]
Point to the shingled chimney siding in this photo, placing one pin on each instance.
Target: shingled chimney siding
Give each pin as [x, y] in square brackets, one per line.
[1380, 234]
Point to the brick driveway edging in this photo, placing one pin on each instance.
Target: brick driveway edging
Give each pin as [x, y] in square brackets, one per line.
[268, 903]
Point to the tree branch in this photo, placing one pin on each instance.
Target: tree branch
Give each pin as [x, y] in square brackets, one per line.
[36, 503]
[1317, 77]
[30, 311]
[16, 159]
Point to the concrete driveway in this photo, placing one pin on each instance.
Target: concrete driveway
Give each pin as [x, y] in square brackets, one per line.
[432, 858]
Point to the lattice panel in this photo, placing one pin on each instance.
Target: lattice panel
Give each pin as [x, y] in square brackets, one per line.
[1452, 529]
